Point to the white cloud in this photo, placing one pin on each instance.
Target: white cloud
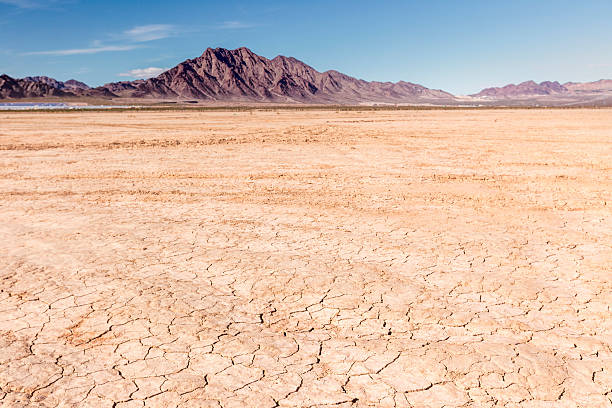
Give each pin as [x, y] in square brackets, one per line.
[233, 25]
[149, 32]
[143, 72]
[79, 51]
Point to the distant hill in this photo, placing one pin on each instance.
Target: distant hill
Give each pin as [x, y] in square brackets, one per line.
[603, 85]
[71, 84]
[11, 88]
[522, 89]
[46, 87]
[549, 93]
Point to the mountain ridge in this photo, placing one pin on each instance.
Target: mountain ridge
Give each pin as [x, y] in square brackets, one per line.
[69, 84]
[11, 88]
[524, 88]
[240, 75]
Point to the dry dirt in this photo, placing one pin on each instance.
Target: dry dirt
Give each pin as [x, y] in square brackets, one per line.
[296, 259]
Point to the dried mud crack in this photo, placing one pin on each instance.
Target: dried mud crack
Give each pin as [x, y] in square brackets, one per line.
[306, 259]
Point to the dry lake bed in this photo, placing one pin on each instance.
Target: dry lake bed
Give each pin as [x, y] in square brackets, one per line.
[411, 258]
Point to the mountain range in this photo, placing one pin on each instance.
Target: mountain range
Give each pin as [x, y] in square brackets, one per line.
[522, 89]
[222, 75]
[531, 88]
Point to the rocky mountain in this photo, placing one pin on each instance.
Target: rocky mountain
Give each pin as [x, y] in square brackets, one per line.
[547, 93]
[45, 87]
[74, 84]
[123, 87]
[603, 85]
[11, 88]
[241, 75]
[527, 88]
[71, 84]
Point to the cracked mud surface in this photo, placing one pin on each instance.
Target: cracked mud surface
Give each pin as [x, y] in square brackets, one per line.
[298, 259]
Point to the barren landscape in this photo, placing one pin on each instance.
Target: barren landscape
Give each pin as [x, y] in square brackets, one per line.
[306, 258]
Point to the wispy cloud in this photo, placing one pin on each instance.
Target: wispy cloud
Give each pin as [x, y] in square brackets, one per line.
[21, 3]
[124, 41]
[33, 4]
[149, 32]
[80, 51]
[143, 72]
[233, 25]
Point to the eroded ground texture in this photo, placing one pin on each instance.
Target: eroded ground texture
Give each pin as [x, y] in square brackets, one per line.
[314, 258]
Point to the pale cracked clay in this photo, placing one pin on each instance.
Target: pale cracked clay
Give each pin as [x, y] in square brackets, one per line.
[306, 259]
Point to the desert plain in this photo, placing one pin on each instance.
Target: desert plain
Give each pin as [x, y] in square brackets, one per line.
[306, 258]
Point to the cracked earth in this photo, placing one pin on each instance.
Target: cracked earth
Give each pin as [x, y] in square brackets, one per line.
[306, 259]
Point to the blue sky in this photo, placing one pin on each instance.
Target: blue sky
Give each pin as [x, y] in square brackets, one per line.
[460, 46]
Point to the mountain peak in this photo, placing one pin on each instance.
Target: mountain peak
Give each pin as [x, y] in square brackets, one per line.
[222, 51]
[220, 74]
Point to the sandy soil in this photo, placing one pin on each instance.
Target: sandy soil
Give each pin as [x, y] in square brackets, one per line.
[408, 259]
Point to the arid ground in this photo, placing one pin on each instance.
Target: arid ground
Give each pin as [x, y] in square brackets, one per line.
[427, 258]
